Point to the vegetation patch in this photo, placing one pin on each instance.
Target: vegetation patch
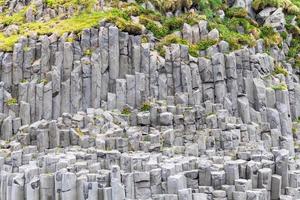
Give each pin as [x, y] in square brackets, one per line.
[280, 70]
[11, 102]
[236, 12]
[289, 6]
[145, 107]
[236, 40]
[270, 36]
[280, 86]
[126, 111]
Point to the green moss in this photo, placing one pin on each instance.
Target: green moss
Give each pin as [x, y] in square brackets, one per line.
[79, 132]
[126, 111]
[44, 81]
[171, 5]
[17, 18]
[87, 4]
[70, 39]
[174, 23]
[204, 44]
[2, 2]
[193, 51]
[88, 52]
[145, 107]
[11, 102]
[167, 40]
[280, 70]
[7, 43]
[125, 25]
[74, 24]
[289, 6]
[209, 7]
[236, 12]
[270, 36]
[281, 86]
[145, 39]
[236, 40]
[155, 27]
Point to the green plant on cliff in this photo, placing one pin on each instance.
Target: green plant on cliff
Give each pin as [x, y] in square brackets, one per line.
[289, 6]
[209, 7]
[146, 106]
[280, 86]
[87, 4]
[11, 102]
[236, 12]
[280, 70]
[270, 36]
[126, 111]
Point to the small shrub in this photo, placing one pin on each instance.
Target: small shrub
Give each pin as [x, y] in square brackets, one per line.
[79, 132]
[126, 111]
[125, 25]
[174, 23]
[236, 12]
[145, 107]
[167, 40]
[270, 36]
[44, 81]
[11, 102]
[280, 70]
[281, 86]
[288, 5]
[204, 44]
[88, 52]
[145, 39]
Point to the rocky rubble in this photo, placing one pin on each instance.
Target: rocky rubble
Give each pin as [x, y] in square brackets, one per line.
[105, 116]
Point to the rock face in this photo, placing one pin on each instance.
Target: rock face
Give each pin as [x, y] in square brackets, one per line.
[106, 117]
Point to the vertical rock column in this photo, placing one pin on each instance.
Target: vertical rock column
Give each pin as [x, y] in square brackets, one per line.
[153, 73]
[117, 188]
[6, 75]
[45, 56]
[114, 57]
[29, 57]
[135, 54]
[124, 59]
[47, 101]
[207, 77]
[145, 66]
[56, 84]
[218, 63]
[76, 88]
[39, 96]
[96, 79]
[103, 46]
[17, 74]
[231, 82]
[86, 82]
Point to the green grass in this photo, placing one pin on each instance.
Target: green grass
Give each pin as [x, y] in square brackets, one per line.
[280, 70]
[11, 102]
[126, 111]
[236, 12]
[270, 36]
[209, 7]
[74, 24]
[281, 86]
[87, 4]
[291, 7]
[145, 107]
[236, 40]
[17, 18]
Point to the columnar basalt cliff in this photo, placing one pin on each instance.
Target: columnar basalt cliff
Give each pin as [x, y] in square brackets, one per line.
[122, 110]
